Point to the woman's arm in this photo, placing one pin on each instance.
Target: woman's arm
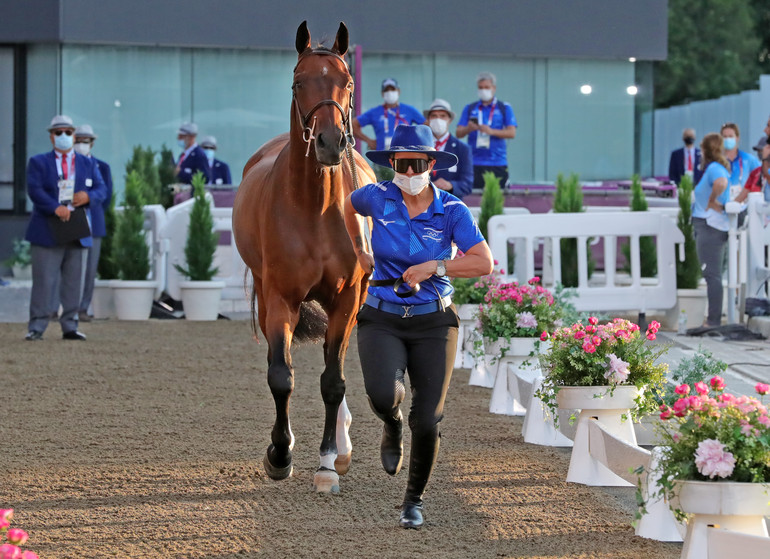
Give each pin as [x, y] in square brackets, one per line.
[716, 190]
[476, 262]
[354, 224]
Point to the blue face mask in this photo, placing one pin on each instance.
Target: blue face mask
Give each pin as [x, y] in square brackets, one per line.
[209, 152]
[63, 142]
[730, 143]
[180, 143]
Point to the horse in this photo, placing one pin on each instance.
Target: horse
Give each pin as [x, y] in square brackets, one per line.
[289, 230]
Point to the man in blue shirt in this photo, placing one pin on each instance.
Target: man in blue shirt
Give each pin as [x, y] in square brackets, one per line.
[741, 163]
[488, 123]
[384, 119]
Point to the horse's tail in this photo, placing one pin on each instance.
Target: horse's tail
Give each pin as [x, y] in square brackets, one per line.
[312, 323]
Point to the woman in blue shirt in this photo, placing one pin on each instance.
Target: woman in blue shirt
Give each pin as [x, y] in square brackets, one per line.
[408, 323]
[710, 221]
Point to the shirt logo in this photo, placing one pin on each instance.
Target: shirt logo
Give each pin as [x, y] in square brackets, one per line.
[385, 223]
[433, 234]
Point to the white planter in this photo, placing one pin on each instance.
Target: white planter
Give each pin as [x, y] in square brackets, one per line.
[22, 272]
[133, 299]
[200, 299]
[595, 403]
[464, 358]
[103, 302]
[467, 311]
[740, 507]
[505, 398]
[694, 302]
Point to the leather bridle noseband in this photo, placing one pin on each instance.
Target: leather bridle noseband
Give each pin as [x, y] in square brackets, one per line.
[307, 128]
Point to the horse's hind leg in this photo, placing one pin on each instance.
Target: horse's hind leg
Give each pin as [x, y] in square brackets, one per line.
[278, 324]
[341, 320]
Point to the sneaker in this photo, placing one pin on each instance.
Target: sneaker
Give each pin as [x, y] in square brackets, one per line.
[33, 336]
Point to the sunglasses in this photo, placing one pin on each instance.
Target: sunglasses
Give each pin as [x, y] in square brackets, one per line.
[67, 132]
[417, 165]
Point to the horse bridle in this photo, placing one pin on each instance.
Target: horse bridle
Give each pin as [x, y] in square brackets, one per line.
[307, 128]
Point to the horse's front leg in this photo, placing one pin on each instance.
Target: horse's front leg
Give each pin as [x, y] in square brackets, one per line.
[278, 323]
[337, 418]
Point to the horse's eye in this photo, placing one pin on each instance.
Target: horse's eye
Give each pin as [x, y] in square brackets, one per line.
[296, 85]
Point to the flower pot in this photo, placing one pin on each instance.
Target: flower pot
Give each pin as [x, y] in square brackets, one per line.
[133, 299]
[505, 392]
[200, 299]
[595, 402]
[465, 336]
[736, 506]
[103, 301]
[22, 272]
[693, 302]
[467, 311]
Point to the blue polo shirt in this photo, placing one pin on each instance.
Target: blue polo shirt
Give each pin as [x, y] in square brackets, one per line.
[399, 242]
[702, 191]
[740, 169]
[384, 121]
[496, 154]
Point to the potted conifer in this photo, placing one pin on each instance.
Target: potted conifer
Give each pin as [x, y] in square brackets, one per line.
[647, 252]
[133, 292]
[200, 294]
[106, 271]
[568, 198]
[491, 201]
[21, 261]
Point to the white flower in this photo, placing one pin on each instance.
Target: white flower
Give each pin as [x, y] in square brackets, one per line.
[526, 320]
[617, 369]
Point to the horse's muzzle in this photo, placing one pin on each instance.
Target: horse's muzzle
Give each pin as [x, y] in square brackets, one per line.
[330, 146]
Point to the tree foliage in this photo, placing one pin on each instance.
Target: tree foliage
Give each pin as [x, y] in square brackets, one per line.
[131, 252]
[687, 272]
[715, 48]
[648, 259]
[568, 198]
[143, 162]
[201, 238]
[491, 201]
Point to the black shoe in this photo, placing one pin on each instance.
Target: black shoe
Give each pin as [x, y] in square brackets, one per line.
[411, 516]
[392, 448]
[74, 335]
[33, 336]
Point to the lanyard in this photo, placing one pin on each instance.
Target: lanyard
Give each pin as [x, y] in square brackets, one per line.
[385, 112]
[740, 166]
[491, 113]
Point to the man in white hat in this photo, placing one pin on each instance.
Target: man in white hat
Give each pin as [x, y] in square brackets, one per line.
[457, 179]
[84, 143]
[192, 158]
[220, 171]
[61, 184]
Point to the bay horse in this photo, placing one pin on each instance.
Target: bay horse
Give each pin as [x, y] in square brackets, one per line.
[289, 229]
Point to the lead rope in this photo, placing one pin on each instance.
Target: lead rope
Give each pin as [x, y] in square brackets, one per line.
[351, 141]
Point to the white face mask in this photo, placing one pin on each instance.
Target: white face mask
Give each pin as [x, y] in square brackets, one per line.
[412, 185]
[83, 149]
[63, 142]
[485, 94]
[439, 126]
[390, 97]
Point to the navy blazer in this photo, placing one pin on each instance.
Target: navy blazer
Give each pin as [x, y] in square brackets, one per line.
[98, 228]
[220, 173]
[461, 175]
[43, 190]
[676, 166]
[196, 161]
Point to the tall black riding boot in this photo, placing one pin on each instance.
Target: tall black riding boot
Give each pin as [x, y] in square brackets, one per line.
[392, 445]
[421, 461]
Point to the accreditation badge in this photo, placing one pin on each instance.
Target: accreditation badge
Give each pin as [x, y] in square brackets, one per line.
[387, 141]
[735, 189]
[482, 140]
[66, 190]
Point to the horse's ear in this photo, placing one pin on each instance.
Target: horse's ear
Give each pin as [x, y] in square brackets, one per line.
[341, 41]
[303, 38]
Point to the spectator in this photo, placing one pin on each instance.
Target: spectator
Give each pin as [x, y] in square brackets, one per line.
[192, 158]
[220, 171]
[384, 119]
[758, 179]
[58, 183]
[741, 163]
[84, 143]
[710, 222]
[488, 123]
[457, 179]
[685, 160]
[763, 140]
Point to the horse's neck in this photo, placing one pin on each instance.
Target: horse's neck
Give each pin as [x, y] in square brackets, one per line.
[313, 184]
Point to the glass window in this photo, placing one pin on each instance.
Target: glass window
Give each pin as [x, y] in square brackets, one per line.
[6, 128]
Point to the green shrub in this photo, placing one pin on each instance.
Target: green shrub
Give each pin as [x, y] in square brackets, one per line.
[491, 201]
[687, 272]
[107, 269]
[568, 198]
[143, 162]
[131, 253]
[22, 253]
[201, 237]
[648, 259]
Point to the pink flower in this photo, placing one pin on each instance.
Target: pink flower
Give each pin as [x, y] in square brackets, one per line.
[17, 536]
[617, 369]
[579, 335]
[593, 321]
[695, 402]
[726, 398]
[4, 523]
[712, 459]
[762, 388]
[718, 383]
[544, 336]
[534, 280]
[29, 555]
[8, 551]
[650, 335]
[590, 328]
[526, 320]
[764, 420]
[682, 389]
[6, 513]
[666, 414]
[701, 388]
[588, 347]
[654, 325]
[680, 407]
[596, 340]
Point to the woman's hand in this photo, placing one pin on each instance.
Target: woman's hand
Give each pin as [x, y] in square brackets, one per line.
[366, 261]
[419, 272]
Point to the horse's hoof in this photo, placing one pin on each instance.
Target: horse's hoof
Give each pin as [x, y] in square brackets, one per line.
[326, 481]
[342, 463]
[276, 473]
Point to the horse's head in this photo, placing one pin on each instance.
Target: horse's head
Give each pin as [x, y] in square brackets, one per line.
[323, 94]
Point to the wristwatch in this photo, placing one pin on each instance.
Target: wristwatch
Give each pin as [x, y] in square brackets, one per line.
[441, 268]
